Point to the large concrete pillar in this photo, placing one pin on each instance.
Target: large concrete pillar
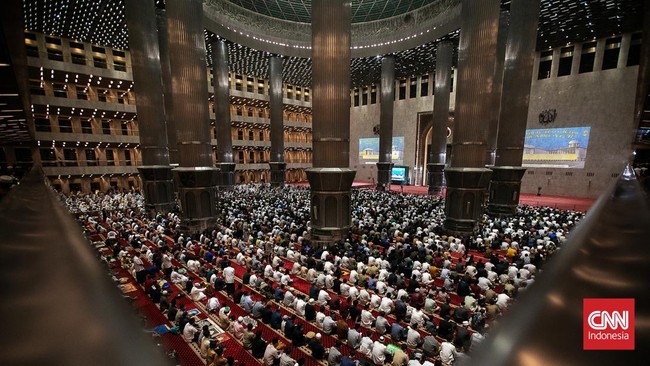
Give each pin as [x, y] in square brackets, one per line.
[467, 177]
[277, 163]
[505, 186]
[196, 177]
[222, 114]
[385, 163]
[163, 46]
[145, 60]
[438, 152]
[330, 178]
[497, 85]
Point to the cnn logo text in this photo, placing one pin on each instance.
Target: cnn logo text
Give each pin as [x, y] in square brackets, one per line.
[608, 324]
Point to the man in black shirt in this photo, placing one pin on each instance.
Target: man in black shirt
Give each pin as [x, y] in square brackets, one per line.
[310, 311]
[316, 347]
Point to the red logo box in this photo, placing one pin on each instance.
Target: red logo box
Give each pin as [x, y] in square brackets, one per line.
[608, 324]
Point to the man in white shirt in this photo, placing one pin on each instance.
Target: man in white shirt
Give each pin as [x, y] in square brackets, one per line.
[413, 337]
[483, 283]
[365, 346]
[241, 258]
[253, 280]
[323, 297]
[268, 271]
[190, 332]
[300, 307]
[418, 317]
[378, 353]
[295, 269]
[447, 353]
[366, 318]
[375, 301]
[364, 297]
[311, 275]
[426, 278]
[354, 275]
[503, 301]
[138, 268]
[213, 304]
[386, 305]
[320, 318]
[417, 360]
[324, 255]
[271, 353]
[193, 265]
[354, 293]
[288, 297]
[345, 288]
[229, 279]
[285, 358]
[328, 325]
[178, 278]
[196, 293]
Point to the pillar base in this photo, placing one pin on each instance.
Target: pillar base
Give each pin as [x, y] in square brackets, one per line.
[436, 178]
[158, 186]
[226, 175]
[330, 204]
[383, 175]
[197, 191]
[277, 173]
[505, 188]
[465, 198]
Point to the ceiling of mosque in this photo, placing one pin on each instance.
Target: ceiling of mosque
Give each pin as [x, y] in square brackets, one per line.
[561, 22]
[362, 10]
[364, 71]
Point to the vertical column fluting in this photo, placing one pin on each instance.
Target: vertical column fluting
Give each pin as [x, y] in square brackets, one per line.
[497, 85]
[145, 60]
[222, 114]
[330, 178]
[387, 85]
[467, 177]
[505, 185]
[163, 47]
[196, 177]
[331, 83]
[277, 163]
[441, 96]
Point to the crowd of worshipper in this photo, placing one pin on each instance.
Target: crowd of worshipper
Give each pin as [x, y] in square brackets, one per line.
[397, 291]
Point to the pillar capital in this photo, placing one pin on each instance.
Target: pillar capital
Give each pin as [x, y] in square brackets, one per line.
[331, 203]
[384, 174]
[197, 192]
[505, 189]
[465, 197]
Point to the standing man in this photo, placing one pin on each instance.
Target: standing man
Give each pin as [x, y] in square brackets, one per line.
[229, 278]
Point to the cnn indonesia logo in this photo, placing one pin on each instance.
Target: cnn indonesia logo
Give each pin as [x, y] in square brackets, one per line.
[608, 324]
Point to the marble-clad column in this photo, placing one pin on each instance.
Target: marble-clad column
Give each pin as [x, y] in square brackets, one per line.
[147, 77]
[505, 186]
[196, 177]
[467, 177]
[330, 178]
[222, 123]
[277, 163]
[441, 96]
[385, 163]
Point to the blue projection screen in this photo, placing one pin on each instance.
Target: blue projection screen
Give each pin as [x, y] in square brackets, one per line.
[369, 150]
[556, 147]
[399, 175]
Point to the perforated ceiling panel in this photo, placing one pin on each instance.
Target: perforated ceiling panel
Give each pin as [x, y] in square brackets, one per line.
[362, 10]
[561, 21]
[364, 71]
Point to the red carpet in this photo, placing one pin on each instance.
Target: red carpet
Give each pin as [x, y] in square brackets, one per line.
[564, 203]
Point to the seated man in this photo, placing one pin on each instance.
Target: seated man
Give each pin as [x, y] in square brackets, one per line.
[196, 293]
